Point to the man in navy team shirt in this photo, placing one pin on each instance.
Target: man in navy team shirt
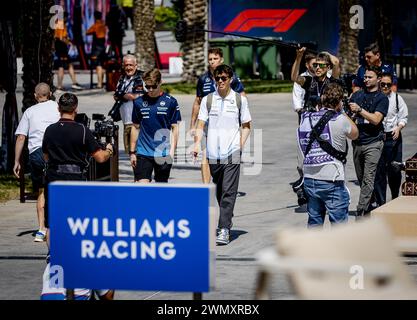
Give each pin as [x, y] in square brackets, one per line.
[154, 134]
[205, 85]
[373, 59]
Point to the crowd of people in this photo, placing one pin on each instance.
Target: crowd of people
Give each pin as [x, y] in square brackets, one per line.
[107, 36]
[372, 117]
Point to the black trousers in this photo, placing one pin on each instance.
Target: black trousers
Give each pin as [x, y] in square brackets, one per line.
[226, 177]
[393, 151]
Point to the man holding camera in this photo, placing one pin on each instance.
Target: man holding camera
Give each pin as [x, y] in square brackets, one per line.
[370, 106]
[129, 87]
[322, 139]
[67, 146]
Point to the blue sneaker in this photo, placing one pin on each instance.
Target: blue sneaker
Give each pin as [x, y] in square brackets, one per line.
[40, 236]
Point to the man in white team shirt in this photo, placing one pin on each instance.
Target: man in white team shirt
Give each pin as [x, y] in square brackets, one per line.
[33, 124]
[225, 111]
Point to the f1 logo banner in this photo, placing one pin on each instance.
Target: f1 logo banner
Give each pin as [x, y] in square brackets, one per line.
[279, 19]
[133, 237]
[300, 21]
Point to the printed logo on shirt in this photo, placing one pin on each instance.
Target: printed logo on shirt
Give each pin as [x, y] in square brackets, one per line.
[145, 103]
[162, 103]
[207, 79]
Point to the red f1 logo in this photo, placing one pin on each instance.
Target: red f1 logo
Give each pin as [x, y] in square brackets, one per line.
[280, 19]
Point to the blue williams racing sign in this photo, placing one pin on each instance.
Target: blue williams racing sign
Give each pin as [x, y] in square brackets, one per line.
[133, 237]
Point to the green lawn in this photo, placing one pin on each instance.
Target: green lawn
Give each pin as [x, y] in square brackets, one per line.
[251, 86]
[9, 187]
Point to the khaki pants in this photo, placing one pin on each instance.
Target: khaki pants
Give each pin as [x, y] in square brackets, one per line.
[126, 136]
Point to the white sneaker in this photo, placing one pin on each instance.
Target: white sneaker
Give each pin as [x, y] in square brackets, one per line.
[223, 237]
[76, 86]
[40, 236]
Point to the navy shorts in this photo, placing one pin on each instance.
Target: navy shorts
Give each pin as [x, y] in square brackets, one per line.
[146, 165]
[37, 168]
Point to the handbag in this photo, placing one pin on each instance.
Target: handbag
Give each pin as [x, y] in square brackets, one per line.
[72, 51]
[114, 112]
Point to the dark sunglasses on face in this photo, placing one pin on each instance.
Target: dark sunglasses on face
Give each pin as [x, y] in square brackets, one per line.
[321, 65]
[221, 78]
[386, 84]
[154, 86]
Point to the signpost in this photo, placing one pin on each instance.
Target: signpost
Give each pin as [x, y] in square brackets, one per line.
[133, 237]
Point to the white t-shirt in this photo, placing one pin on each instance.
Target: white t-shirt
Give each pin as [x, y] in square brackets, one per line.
[326, 169]
[223, 134]
[35, 120]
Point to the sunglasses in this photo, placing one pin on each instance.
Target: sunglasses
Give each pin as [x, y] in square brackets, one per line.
[154, 86]
[321, 65]
[386, 84]
[221, 78]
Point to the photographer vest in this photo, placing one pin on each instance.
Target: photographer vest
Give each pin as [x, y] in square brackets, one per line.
[325, 145]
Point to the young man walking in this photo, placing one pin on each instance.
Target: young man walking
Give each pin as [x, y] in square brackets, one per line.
[224, 111]
[154, 135]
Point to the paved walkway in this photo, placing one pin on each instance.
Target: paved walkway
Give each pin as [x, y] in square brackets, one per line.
[266, 203]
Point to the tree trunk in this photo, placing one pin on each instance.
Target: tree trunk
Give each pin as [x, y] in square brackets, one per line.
[384, 27]
[38, 47]
[144, 26]
[194, 62]
[8, 81]
[348, 39]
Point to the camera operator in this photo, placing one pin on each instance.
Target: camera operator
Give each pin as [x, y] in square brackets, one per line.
[370, 107]
[322, 139]
[311, 85]
[67, 146]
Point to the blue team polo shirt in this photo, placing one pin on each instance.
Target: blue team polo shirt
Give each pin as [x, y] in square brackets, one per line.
[206, 84]
[155, 116]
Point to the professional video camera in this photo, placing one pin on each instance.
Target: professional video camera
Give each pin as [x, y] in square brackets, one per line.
[105, 131]
[347, 81]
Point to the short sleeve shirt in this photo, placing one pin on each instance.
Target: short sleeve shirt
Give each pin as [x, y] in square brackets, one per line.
[155, 116]
[34, 122]
[371, 102]
[206, 84]
[223, 134]
[69, 142]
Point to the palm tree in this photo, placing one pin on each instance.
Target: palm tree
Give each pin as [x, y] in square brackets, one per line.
[383, 26]
[38, 47]
[195, 15]
[348, 38]
[144, 26]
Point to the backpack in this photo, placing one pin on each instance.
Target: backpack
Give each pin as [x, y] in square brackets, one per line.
[238, 103]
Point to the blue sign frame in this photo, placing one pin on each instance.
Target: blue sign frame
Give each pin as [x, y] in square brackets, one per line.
[133, 236]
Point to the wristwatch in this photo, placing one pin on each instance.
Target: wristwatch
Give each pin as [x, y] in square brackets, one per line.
[132, 152]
